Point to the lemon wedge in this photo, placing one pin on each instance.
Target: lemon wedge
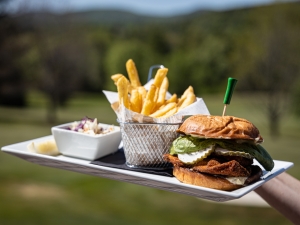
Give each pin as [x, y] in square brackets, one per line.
[44, 147]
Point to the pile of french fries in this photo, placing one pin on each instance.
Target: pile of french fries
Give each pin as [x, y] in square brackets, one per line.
[150, 102]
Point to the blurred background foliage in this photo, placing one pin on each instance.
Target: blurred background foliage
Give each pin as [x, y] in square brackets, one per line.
[61, 54]
[53, 68]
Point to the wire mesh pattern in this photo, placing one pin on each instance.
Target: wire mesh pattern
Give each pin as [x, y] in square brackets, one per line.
[145, 144]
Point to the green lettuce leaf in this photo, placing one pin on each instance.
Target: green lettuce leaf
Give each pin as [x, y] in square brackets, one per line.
[189, 144]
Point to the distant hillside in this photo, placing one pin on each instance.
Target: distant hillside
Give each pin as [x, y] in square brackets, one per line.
[96, 17]
[117, 17]
[107, 17]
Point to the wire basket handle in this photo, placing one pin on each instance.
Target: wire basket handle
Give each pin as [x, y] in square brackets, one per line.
[151, 70]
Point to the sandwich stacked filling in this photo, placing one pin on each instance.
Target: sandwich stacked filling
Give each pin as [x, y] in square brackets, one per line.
[218, 152]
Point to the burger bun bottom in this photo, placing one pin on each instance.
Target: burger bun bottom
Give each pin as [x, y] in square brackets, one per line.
[187, 176]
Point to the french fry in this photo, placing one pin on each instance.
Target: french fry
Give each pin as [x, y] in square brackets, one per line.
[170, 112]
[190, 98]
[122, 86]
[155, 98]
[162, 111]
[172, 99]
[142, 90]
[162, 92]
[143, 93]
[159, 76]
[153, 102]
[162, 106]
[135, 101]
[185, 94]
[149, 102]
[133, 74]
[116, 77]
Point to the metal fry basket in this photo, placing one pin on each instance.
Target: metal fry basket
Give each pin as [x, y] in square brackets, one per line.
[145, 143]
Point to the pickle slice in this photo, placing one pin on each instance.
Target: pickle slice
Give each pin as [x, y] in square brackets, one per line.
[222, 151]
[193, 157]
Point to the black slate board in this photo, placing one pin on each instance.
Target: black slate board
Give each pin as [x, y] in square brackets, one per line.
[117, 160]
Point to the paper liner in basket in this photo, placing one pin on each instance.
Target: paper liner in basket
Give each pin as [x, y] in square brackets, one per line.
[126, 115]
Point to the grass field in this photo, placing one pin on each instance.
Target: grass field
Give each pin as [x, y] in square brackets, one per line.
[32, 194]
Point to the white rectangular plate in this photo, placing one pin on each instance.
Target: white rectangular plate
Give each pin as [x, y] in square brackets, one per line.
[150, 180]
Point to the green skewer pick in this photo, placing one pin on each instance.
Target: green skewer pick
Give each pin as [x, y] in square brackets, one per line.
[229, 91]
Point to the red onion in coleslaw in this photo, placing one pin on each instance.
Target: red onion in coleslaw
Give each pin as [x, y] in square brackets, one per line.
[90, 126]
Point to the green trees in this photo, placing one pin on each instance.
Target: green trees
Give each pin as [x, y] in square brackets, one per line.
[259, 46]
[12, 80]
[59, 62]
[274, 69]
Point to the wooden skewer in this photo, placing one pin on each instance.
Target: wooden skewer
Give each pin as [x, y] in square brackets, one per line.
[224, 110]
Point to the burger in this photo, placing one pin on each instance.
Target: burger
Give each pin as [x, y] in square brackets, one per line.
[218, 152]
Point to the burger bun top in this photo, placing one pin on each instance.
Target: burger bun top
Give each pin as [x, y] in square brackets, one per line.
[220, 127]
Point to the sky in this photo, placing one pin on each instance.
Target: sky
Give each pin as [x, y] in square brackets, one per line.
[144, 7]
